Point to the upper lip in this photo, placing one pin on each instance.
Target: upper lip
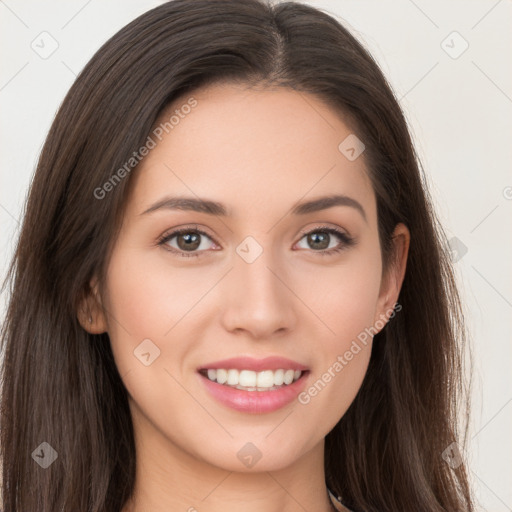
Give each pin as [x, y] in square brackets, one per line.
[257, 365]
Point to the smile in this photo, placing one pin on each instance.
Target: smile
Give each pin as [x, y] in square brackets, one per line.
[254, 399]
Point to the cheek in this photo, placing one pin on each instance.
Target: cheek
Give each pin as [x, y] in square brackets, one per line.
[345, 299]
[147, 298]
[141, 303]
[148, 295]
[343, 296]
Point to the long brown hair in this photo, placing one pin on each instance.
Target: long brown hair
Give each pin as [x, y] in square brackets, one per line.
[60, 385]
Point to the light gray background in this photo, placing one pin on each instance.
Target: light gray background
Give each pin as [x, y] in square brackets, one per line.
[459, 110]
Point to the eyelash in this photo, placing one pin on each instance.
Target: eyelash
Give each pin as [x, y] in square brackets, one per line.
[346, 241]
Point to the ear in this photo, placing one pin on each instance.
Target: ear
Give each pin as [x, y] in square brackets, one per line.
[392, 279]
[91, 313]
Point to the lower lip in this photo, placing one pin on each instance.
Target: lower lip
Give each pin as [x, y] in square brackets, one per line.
[255, 401]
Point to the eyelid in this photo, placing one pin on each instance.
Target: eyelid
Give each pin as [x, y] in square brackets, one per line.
[325, 226]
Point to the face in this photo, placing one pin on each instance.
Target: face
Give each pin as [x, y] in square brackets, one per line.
[255, 276]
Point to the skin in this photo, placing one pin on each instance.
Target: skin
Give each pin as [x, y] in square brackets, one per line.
[259, 152]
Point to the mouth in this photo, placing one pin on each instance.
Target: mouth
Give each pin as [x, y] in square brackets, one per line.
[253, 392]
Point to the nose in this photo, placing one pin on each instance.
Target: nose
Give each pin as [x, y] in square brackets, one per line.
[257, 298]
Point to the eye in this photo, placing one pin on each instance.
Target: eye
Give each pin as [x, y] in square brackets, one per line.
[321, 238]
[187, 241]
[192, 241]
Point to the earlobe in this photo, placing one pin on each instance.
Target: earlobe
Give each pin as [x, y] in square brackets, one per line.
[392, 279]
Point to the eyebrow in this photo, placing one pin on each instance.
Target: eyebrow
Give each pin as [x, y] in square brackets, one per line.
[215, 208]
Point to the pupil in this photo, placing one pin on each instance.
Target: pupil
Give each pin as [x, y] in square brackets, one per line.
[193, 238]
[323, 243]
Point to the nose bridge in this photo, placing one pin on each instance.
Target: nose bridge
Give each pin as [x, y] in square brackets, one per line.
[257, 282]
[257, 299]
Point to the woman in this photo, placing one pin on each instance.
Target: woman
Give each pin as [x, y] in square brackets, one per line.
[230, 289]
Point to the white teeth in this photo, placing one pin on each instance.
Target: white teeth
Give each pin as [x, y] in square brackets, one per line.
[232, 377]
[288, 376]
[265, 379]
[247, 379]
[222, 376]
[278, 377]
[254, 381]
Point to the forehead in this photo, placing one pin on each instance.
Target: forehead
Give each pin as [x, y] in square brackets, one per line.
[250, 148]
